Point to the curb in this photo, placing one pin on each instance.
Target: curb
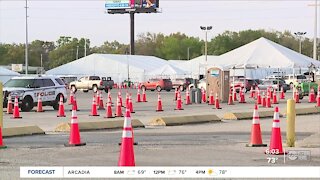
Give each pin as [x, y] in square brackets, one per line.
[306, 111]
[98, 125]
[22, 131]
[247, 115]
[180, 120]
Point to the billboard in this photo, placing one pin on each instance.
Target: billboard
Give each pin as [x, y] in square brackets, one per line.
[131, 4]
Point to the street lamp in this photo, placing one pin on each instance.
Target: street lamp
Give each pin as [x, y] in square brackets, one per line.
[26, 50]
[206, 29]
[300, 34]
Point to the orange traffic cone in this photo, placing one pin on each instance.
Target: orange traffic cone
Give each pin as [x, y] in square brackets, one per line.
[274, 97]
[126, 157]
[138, 95]
[282, 94]
[268, 101]
[264, 101]
[131, 104]
[144, 96]
[9, 105]
[188, 101]
[217, 103]
[100, 102]
[39, 106]
[75, 103]
[127, 99]
[61, 112]
[109, 97]
[74, 139]
[230, 101]
[2, 146]
[175, 94]
[211, 98]
[242, 96]
[159, 105]
[16, 113]
[312, 97]
[318, 97]
[204, 96]
[259, 97]
[296, 96]
[179, 103]
[275, 147]
[256, 138]
[109, 111]
[94, 107]
[71, 98]
[234, 95]
[118, 108]
[251, 92]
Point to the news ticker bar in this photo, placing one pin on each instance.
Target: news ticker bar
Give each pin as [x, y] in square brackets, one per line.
[168, 172]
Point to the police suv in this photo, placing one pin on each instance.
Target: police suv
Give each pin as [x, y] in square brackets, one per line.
[27, 89]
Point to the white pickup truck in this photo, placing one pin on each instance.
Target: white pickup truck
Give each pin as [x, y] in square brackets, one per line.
[94, 83]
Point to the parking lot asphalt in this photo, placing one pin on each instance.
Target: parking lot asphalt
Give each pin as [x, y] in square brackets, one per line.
[144, 111]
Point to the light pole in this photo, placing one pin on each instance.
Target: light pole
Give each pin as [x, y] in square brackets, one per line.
[41, 65]
[26, 50]
[188, 53]
[77, 52]
[206, 29]
[300, 34]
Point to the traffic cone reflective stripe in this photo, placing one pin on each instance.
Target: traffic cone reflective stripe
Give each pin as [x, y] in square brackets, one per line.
[94, 111]
[256, 137]
[138, 95]
[2, 146]
[159, 105]
[276, 141]
[9, 105]
[61, 112]
[16, 112]
[39, 105]
[126, 157]
[74, 139]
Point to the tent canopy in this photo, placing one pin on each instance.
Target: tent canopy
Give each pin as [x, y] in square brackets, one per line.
[267, 54]
[7, 72]
[168, 69]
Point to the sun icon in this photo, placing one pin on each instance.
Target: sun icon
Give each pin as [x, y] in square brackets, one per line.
[210, 171]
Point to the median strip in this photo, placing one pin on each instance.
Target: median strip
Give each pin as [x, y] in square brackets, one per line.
[22, 131]
[180, 120]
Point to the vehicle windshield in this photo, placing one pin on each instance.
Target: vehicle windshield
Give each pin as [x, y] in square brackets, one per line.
[21, 83]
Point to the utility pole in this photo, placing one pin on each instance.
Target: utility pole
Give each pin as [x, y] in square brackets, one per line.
[206, 29]
[315, 29]
[77, 56]
[85, 47]
[26, 50]
[188, 53]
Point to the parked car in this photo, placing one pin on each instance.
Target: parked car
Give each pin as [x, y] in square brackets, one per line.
[157, 84]
[27, 90]
[201, 84]
[67, 79]
[242, 82]
[181, 83]
[273, 84]
[297, 78]
[94, 83]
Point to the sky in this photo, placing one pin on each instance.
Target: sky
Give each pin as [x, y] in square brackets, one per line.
[48, 20]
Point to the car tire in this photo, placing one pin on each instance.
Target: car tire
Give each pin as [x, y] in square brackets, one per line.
[95, 88]
[158, 88]
[27, 104]
[73, 89]
[85, 91]
[168, 90]
[56, 102]
[106, 90]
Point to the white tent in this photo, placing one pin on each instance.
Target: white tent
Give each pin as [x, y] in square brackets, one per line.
[6, 74]
[113, 65]
[168, 71]
[265, 53]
